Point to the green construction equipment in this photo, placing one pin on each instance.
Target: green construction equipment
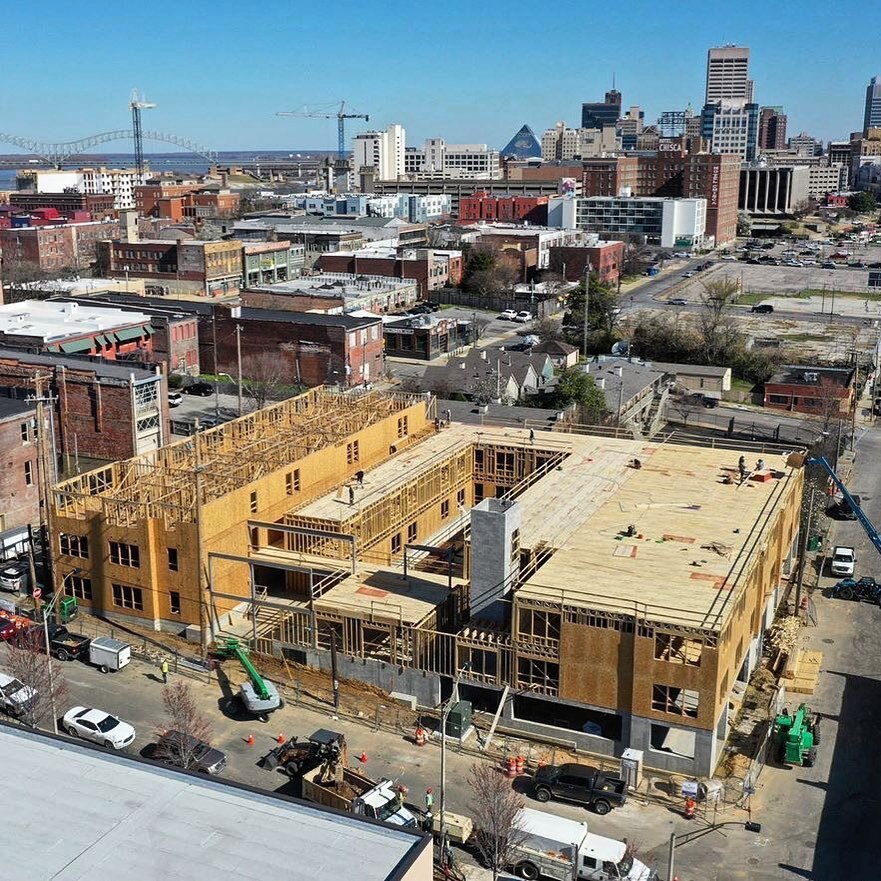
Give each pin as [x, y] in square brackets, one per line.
[797, 736]
[259, 696]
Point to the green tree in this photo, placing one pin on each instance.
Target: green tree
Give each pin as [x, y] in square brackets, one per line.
[744, 223]
[577, 387]
[485, 275]
[602, 305]
[862, 203]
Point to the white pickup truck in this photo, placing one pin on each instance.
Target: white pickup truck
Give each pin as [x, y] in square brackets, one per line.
[563, 850]
[843, 561]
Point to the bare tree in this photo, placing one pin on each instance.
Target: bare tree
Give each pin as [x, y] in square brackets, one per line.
[265, 379]
[479, 324]
[547, 330]
[683, 405]
[494, 808]
[185, 729]
[28, 662]
[717, 326]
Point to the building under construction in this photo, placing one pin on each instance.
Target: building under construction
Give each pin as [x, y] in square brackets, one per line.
[599, 590]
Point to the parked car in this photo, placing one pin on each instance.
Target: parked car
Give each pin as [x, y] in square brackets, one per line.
[186, 751]
[98, 726]
[729, 257]
[762, 308]
[688, 274]
[175, 399]
[508, 315]
[15, 696]
[677, 301]
[11, 625]
[202, 389]
[15, 576]
[843, 561]
[65, 645]
[581, 784]
[524, 317]
[827, 264]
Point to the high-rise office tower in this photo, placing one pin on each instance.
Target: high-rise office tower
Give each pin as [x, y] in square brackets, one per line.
[872, 114]
[728, 75]
[772, 128]
[604, 113]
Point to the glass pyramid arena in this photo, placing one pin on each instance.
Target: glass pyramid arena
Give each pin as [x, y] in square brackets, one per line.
[524, 145]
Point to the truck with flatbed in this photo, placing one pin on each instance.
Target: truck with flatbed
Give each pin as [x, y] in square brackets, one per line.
[67, 646]
[346, 789]
[581, 784]
[564, 850]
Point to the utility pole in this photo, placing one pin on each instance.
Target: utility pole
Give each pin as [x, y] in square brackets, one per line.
[216, 373]
[671, 851]
[804, 551]
[239, 362]
[586, 309]
[335, 679]
[47, 463]
[445, 713]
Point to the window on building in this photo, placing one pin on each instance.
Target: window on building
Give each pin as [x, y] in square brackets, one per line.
[402, 426]
[28, 473]
[353, 453]
[478, 493]
[25, 432]
[77, 586]
[125, 555]
[396, 543]
[535, 675]
[72, 545]
[127, 597]
[460, 498]
[172, 559]
[445, 509]
[535, 625]
[253, 502]
[678, 649]
[412, 532]
[676, 701]
[289, 483]
[174, 602]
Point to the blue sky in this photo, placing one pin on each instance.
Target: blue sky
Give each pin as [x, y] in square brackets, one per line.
[466, 71]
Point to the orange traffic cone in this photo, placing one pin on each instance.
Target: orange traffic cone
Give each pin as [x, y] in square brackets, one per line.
[250, 740]
[280, 738]
[363, 758]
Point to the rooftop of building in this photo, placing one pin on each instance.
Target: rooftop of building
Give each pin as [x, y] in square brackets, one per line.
[52, 320]
[336, 284]
[693, 369]
[10, 408]
[807, 374]
[138, 821]
[696, 535]
[622, 378]
[103, 369]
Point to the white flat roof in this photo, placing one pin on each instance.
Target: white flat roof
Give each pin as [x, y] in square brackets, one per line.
[53, 320]
[126, 819]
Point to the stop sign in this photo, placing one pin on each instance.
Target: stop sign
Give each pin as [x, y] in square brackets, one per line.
[38, 592]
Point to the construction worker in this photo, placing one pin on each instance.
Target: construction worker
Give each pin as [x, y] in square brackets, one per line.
[532, 435]
[163, 667]
[351, 495]
[429, 799]
[359, 476]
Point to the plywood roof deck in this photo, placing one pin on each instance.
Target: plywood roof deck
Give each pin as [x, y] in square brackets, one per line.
[401, 468]
[678, 503]
[373, 593]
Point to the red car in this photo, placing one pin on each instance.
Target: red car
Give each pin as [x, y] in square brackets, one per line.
[12, 625]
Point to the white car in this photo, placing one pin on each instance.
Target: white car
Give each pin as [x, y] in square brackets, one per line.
[523, 317]
[98, 726]
[15, 696]
[843, 561]
[175, 399]
[508, 315]
[729, 257]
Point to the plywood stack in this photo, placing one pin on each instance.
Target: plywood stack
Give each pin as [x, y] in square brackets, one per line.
[802, 671]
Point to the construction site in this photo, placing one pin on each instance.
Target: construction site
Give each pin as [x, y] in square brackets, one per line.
[604, 590]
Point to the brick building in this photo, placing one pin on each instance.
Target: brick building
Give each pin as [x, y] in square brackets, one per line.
[826, 392]
[19, 486]
[676, 174]
[605, 259]
[431, 269]
[309, 348]
[103, 410]
[55, 247]
[174, 339]
[508, 208]
[425, 337]
[72, 328]
[270, 262]
[206, 269]
[99, 206]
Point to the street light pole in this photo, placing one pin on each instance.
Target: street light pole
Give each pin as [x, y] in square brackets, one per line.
[47, 610]
[239, 362]
[445, 713]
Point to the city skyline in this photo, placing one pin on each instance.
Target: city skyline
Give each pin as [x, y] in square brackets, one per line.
[206, 94]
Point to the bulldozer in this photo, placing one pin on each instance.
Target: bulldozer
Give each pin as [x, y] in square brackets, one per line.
[797, 736]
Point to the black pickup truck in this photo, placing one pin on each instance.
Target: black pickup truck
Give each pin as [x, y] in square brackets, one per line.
[65, 645]
[581, 784]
